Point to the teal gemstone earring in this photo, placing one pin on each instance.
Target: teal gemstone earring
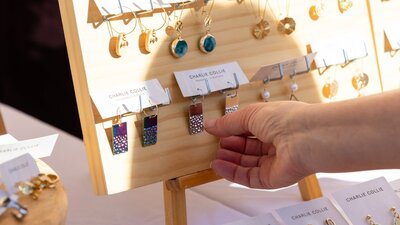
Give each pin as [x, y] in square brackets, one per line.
[207, 42]
[179, 46]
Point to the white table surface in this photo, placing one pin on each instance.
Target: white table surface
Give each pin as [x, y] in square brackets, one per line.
[214, 203]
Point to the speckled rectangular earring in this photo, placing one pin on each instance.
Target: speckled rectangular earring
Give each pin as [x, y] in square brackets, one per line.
[231, 103]
[120, 137]
[196, 119]
[149, 130]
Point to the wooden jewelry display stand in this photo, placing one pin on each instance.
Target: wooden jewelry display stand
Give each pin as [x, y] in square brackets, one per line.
[178, 159]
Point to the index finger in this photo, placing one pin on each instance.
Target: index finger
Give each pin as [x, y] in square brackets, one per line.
[237, 123]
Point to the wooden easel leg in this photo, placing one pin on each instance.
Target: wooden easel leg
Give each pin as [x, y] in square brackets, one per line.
[2, 126]
[309, 188]
[174, 204]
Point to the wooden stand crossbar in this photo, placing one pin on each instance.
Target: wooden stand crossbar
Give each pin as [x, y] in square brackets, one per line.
[175, 193]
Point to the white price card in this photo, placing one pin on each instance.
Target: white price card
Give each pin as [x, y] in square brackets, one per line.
[209, 79]
[266, 219]
[374, 198]
[22, 168]
[129, 98]
[37, 147]
[7, 139]
[392, 32]
[316, 211]
[339, 49]
[292, 66]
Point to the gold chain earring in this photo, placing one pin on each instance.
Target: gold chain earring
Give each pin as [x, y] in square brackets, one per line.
[371, 221]
[396, 219]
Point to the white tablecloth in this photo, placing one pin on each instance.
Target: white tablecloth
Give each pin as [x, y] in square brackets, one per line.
[214, 203]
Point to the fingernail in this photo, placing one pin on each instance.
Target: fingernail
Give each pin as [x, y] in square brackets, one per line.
[210, 123]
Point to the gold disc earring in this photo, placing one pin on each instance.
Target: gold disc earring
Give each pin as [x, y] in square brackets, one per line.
[179, 46]
[207, 42]
[287, 25]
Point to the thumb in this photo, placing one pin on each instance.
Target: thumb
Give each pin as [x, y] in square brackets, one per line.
[237, 123]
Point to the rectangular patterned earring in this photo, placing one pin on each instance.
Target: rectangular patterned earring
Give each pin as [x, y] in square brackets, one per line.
[150, 123]
[196, 119]
[231, 103]
[120, 137]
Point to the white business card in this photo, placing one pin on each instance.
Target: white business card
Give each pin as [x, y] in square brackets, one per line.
[22, 168]
[339, 49]
[201, 81]
[7, 139]
[129, 98]
[374, 198]
[291, 66]
[315, 211]
[37, 147]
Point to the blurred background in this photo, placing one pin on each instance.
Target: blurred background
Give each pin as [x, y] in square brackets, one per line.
[36, 78]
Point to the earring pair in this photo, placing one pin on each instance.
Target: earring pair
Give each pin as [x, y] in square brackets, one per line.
[396, 218]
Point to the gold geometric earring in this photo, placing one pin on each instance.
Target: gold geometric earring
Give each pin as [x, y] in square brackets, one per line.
[396, 219]
[370, 220]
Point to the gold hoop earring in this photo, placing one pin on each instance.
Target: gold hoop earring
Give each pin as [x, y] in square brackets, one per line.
[120, 47]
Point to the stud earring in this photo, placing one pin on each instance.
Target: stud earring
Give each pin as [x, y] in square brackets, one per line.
[370, 220]
[396, 219]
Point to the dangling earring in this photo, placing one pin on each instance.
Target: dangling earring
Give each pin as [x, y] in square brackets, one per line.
[121, 42]
[207, 42]
[345, 5]
[265, 93]
[329, 221]
[371, 221]
[196, 119]
[232, 99]
[396, 219]
[293, 88]
[317, 10]
[148, 37]
[120, 136]
[149, 132]
[331, 86]
[179, 46]
[360, 80]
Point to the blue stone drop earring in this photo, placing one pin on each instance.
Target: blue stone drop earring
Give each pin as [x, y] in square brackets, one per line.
[207, 42]
[179, 46]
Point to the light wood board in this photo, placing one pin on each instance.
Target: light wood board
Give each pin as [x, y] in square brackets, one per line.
[177, 153]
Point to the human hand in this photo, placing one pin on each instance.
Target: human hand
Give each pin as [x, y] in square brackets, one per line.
[260, 145]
